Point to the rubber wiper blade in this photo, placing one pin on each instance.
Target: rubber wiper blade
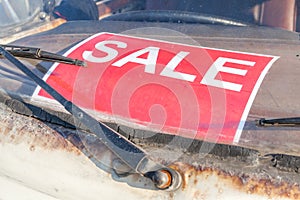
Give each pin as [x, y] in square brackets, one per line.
[37, 53]
[292, 121]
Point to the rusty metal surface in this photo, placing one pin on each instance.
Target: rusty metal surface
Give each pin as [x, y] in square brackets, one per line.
[222, 182]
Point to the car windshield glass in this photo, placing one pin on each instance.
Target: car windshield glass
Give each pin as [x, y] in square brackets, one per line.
[18, 15]
[274, 13]
[14, 12]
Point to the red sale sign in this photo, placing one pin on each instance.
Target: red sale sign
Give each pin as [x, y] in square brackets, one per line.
[185, 90]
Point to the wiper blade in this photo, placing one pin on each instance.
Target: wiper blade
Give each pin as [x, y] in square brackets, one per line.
[293, 121]
[37, 53]
[164, 178]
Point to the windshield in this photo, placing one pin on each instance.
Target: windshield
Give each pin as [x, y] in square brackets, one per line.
[14, 12]
[275, 13]
[18, 15]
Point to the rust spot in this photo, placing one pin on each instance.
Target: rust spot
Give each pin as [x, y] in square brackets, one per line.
[32, 148]
[195, 181]
[7, 130]
[177, 167]
[171, 195]
[249, 184]
[253, 189]
[16, 129]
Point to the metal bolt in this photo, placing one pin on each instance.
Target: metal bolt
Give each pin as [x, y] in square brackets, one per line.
[165, 179]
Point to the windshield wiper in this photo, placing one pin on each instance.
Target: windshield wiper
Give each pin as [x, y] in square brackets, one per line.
[37, 53]
[293, 121]
[164, 178]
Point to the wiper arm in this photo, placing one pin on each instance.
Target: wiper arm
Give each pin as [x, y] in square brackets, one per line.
[293, 121]
[37, 53]
[132, 155]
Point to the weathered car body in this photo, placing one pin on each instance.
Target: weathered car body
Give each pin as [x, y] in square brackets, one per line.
[42, 156]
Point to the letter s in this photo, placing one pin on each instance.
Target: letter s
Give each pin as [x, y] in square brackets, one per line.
[111, 53]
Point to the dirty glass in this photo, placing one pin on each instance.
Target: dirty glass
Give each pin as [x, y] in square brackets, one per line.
[275, 13]
[14, 12]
